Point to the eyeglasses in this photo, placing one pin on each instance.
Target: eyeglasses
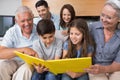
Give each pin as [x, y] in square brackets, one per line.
[107, 16]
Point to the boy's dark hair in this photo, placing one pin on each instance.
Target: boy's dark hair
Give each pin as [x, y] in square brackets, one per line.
[41, 3]
[45, 26]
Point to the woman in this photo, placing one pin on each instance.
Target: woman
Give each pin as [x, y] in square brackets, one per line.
[107, 37]
[67, 14]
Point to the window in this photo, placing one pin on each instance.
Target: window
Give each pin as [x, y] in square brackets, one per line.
[5, 23]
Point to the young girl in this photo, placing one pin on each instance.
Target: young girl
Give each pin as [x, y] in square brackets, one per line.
[47, 47]
[67, 14]
[79, 44]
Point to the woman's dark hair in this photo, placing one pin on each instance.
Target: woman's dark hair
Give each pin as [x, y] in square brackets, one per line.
[82, 26]
[45, 26]
[72, 12]
[41, 3]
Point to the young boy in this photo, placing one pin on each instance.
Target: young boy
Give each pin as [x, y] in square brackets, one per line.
[48, 48]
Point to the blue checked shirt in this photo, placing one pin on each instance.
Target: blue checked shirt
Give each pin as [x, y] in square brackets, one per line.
[106, 53]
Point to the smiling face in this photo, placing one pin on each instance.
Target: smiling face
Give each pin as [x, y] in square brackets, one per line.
[109, 17]
[25, 21]
[66, 15]
[47, 39]
[75, 36]
[42, 11]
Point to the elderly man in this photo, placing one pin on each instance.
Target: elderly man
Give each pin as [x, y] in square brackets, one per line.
[18, 38]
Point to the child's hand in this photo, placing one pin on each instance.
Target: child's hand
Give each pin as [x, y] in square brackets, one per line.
[40, 68]
[64, 32]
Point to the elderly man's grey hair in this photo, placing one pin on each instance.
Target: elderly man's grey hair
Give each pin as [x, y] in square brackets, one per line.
[23, 9]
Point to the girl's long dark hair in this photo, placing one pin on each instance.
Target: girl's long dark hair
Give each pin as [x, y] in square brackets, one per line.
[87, 40]
[72, 12]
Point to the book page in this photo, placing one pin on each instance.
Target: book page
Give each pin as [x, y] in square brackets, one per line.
[30, 59]
[61, 65]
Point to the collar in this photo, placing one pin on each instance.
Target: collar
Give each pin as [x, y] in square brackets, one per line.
[99, 26]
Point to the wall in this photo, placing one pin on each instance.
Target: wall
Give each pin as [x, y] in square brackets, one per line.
[8, 7]
[82, 7]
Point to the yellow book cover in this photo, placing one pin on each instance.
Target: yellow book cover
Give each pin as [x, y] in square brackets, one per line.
[59, 66]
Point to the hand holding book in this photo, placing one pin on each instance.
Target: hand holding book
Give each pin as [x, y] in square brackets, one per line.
[59, 66]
